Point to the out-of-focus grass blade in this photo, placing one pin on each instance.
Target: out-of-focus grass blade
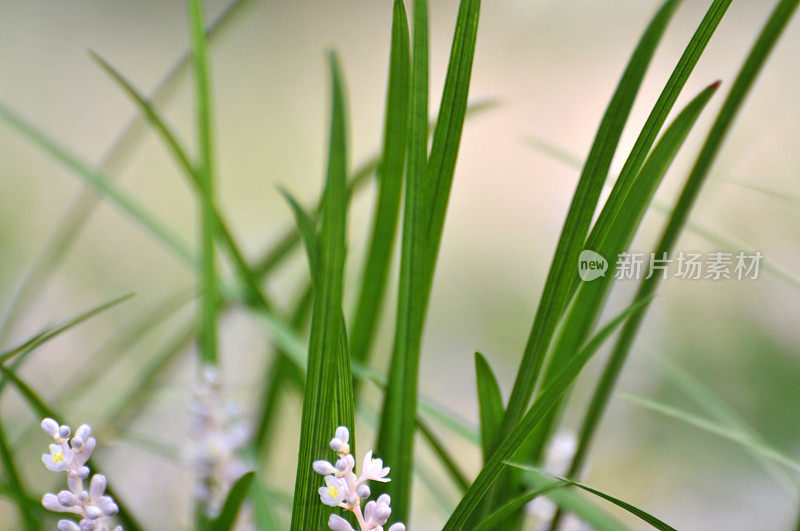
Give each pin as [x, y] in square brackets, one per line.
[19, 492]
[545, 401]
[102, 185]
[205, 177]
[429, 180]
[644, 515]
[705, 424]
[195, 177]
[723, 413]
[328, 397]
[515, 504]
[490, 403]
[114, 158]
[589, 299]
[447, 460]
[47, 335]
[43, 410]
[375, 270]
[555, 295]
[741, 87]
[280, 372]
[710, 233]
[234, 501]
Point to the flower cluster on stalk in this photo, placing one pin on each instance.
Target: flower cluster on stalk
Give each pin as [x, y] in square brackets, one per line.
[343, 488]
[217, 434]
[70, 454]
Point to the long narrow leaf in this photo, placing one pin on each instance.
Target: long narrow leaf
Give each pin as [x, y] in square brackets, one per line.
[490, 403]
[546, 400]
[328, 398]
[741, 87]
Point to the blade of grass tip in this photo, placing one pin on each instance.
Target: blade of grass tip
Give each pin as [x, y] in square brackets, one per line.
[308, 232]
[112, 161]
[733, 102]
[375, 269]
[545, 401]
[233, 503]
[658, 115]
[194, 175]
[427, 194]
[515, 504]
[555, 293]
[640, 513]
[740, 438]
[490, 403]
[47, 335]
[19, 490]
[205, 176]
[328, 397]
[396, 433]
[40, 408]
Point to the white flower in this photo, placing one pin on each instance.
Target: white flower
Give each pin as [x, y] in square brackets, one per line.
[346, 490]
[70, 455]
[217, 435]
[323, 468]
[340, 440]
[337, 523]
[335, 492]
[373, 469]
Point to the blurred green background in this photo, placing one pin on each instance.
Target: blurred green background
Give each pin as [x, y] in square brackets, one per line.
[553, 65]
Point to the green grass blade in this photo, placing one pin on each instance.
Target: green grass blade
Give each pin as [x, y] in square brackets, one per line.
[603, 227]
[644, 515]
[308, 232]
[375, 270]
[280, 372]
[47, 335]
[515, 504]
[708, 232]
[427, 192]
[233, 503]
[490, 403]
[705, 424]
[328, 398]
[546, 400]
[195, 176]
[396, 433]
[205, 176]
[447, 460]
[103, 185]
[589, 299]
[449, 125]
[114, 158]
[555, 295]
[19, 492]
[741, 87]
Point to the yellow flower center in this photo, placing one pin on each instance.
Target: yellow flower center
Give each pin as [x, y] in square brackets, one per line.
[333, 492]
[58, 457]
